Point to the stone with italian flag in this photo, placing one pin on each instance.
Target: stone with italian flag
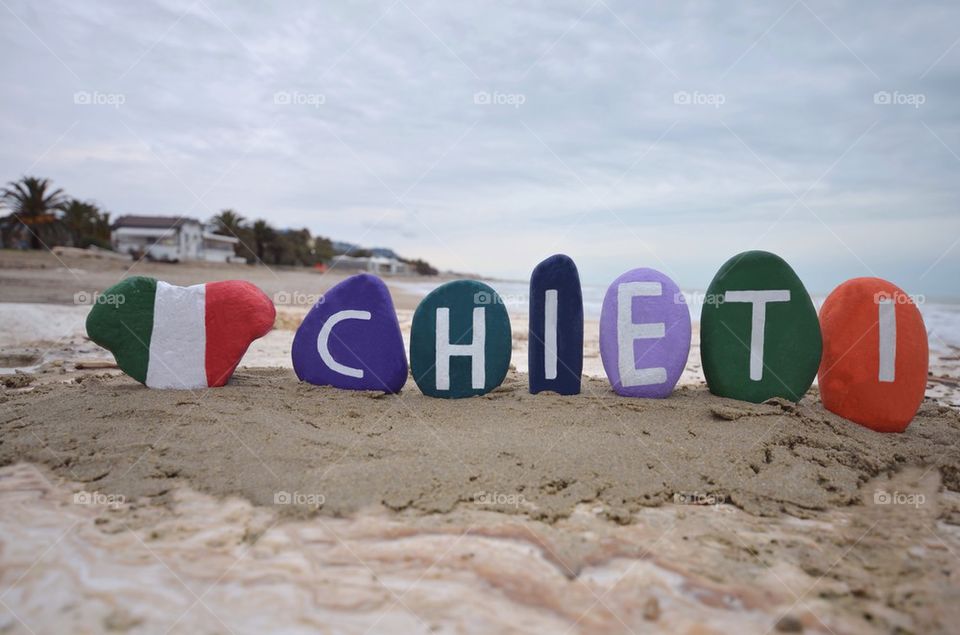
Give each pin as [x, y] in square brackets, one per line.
[166, 336]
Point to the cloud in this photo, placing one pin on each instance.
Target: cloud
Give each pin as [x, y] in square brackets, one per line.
[486, 136]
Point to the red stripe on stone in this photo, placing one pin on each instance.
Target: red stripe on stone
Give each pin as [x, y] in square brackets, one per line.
[237, 313]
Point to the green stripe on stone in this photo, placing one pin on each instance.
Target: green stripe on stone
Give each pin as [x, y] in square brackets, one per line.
[122, 322]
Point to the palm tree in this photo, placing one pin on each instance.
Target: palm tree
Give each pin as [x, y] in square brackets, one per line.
[228, 222]
[263, 235]
[34, 204]
[82, 220]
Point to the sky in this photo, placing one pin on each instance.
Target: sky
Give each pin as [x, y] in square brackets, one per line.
[485, 136]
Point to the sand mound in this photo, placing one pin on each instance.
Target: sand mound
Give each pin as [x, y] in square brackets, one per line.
[268, 438]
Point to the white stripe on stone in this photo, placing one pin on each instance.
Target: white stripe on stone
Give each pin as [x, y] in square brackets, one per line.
[179, 341]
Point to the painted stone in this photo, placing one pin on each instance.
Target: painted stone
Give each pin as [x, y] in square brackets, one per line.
[460, 341]
[166, 336]
[875, 354]
[351, 339]
[759, 333]
[555, 342]
[644, 334]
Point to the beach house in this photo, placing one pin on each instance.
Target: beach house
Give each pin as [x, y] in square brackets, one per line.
[171, 239]
[381, 265]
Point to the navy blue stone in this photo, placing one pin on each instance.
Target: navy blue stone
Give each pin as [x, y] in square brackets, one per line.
[556, 273]
[366, 341]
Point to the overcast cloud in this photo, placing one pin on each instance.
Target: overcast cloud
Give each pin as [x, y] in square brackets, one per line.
[485, 136]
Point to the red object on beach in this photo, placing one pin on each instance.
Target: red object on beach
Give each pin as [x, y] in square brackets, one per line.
[236, 314]
[875, 354]
[320, 267]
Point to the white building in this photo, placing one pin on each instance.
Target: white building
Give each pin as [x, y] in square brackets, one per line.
[370, 264]
[171, 239]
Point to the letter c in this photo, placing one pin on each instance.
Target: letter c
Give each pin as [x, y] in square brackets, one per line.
[324, 338]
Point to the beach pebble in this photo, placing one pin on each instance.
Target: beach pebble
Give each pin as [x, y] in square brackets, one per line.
[875, 354]
[644, 334]
[460, 340]
[789, 624]
[166, 336]
[759, 334]
[555, 342]
[351, 339]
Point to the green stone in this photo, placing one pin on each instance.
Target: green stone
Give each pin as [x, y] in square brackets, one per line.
[456, 303]
[750, 288]
[121, 321]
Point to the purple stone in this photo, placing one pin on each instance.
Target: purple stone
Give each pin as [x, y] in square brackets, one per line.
[644, 334]
[351, 339]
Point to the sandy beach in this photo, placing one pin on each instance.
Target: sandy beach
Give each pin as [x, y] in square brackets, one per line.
[274, 505]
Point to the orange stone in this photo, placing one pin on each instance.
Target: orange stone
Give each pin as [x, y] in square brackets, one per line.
[875, 354]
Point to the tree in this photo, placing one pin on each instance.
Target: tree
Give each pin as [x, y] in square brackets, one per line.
[34, 203]
[322, 249]
[263, 235]
[85, 223]
[422, 267]
[228, 223]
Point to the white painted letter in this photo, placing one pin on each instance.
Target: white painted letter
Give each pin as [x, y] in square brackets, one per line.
[323, 342]
[550, 334]
[628, 331]
[759, 301]
[888, 339]
[475, 350]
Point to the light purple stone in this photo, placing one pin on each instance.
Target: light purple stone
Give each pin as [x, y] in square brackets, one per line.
[652, 325]
[362, 341]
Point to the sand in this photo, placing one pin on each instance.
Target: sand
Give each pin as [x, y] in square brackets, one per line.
[538, 455]
[202, 564]
[273, 505]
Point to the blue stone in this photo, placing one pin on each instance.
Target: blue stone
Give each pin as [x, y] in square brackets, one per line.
[351, 339]
[555, 345]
